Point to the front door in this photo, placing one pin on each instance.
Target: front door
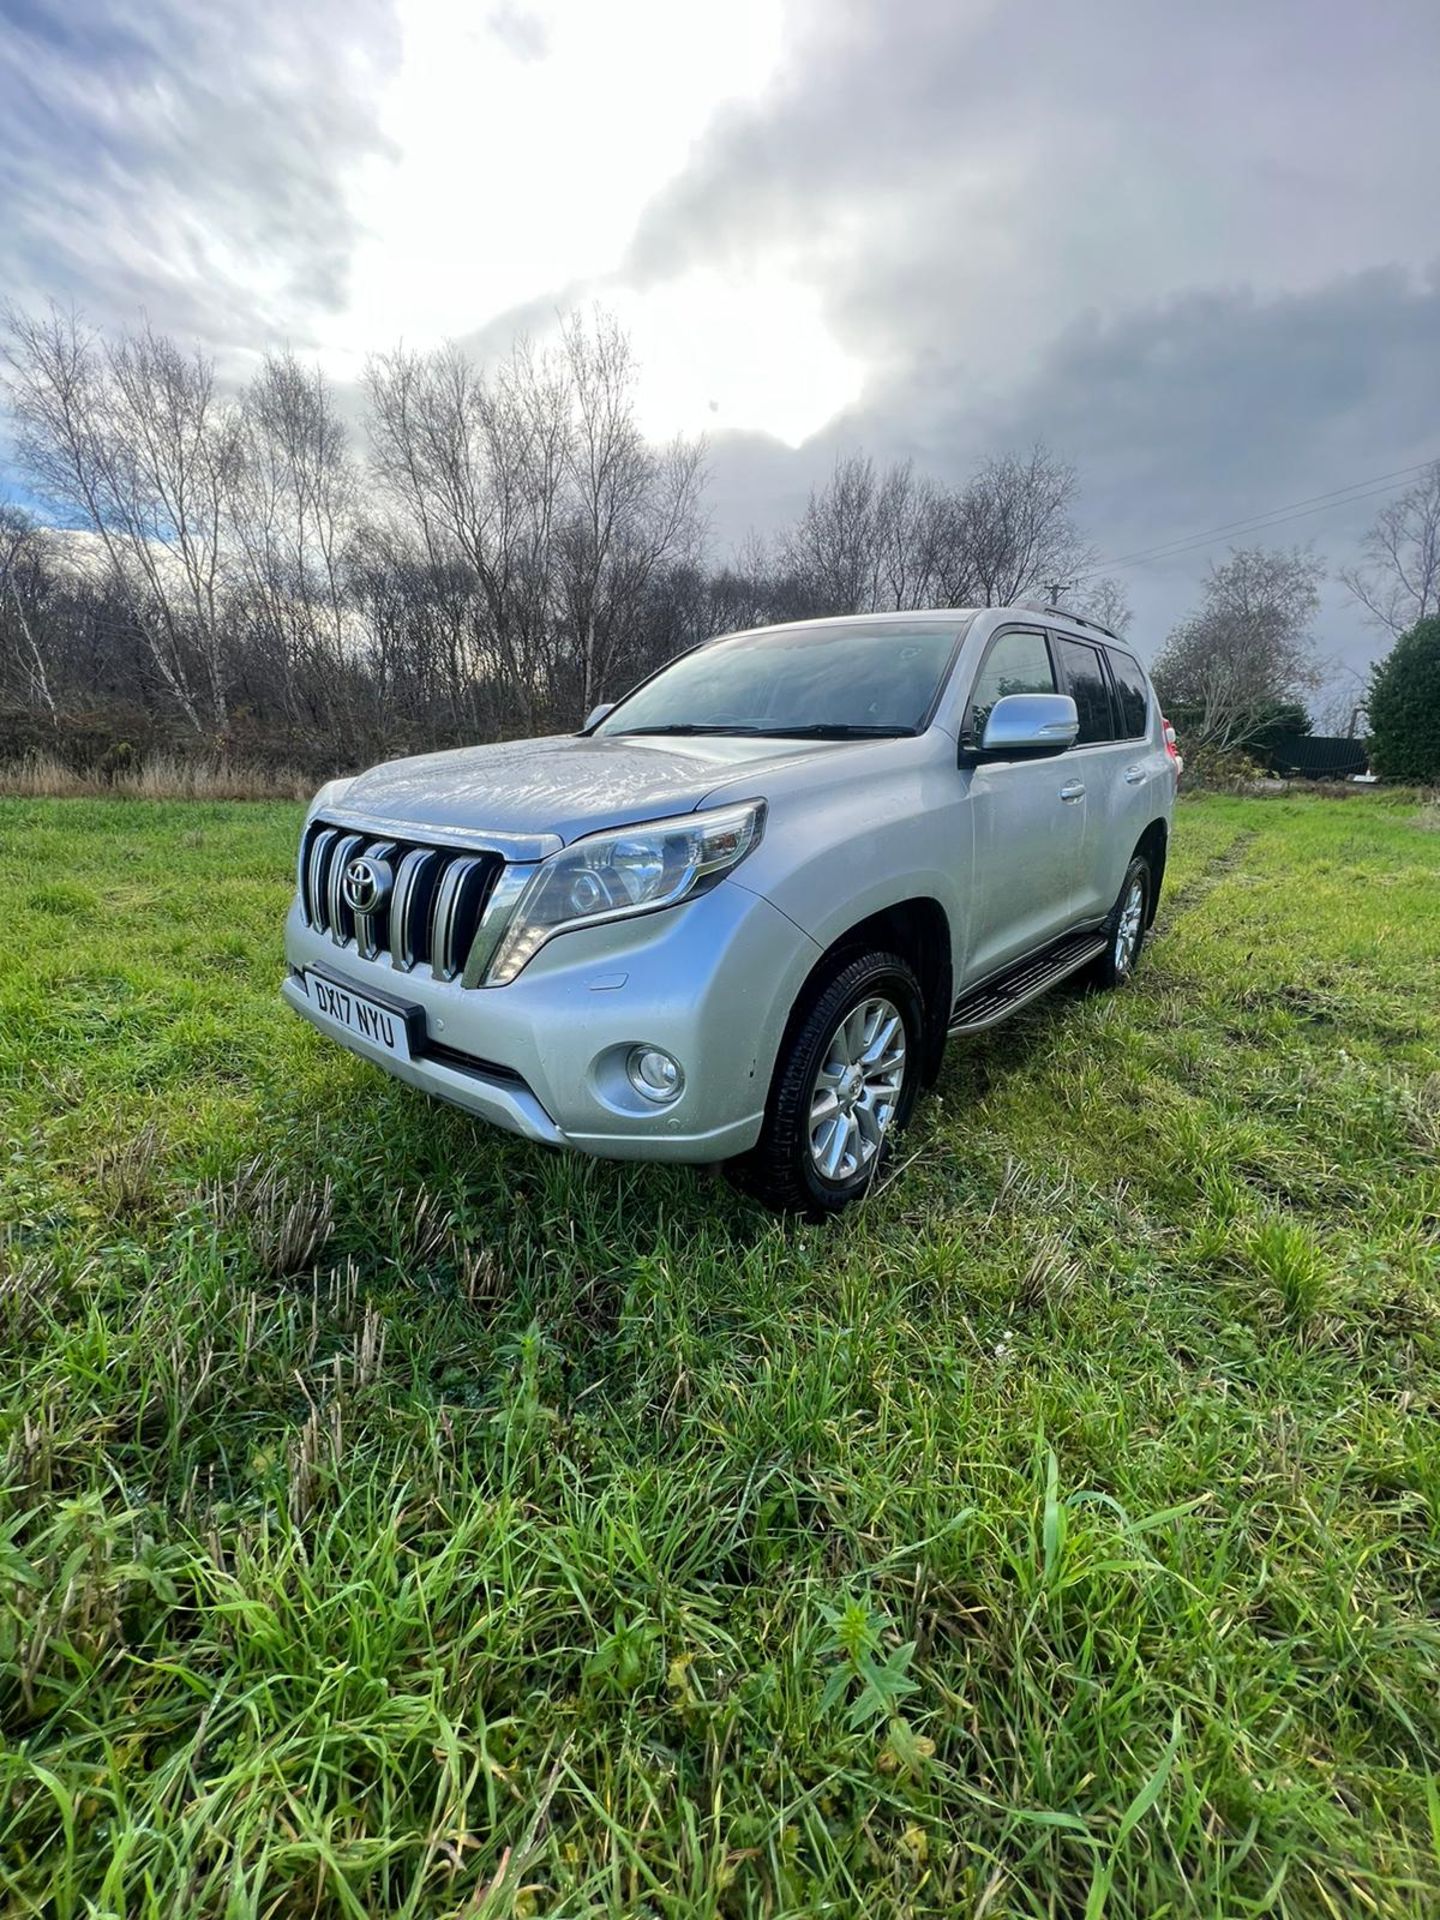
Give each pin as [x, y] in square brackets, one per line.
[1028, 818]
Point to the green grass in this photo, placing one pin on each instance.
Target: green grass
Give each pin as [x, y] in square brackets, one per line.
[401, 1519]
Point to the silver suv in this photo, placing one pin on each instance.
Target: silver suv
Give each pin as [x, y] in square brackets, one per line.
[736, 917]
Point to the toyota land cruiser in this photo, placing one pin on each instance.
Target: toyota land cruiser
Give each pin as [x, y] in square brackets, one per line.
[736, 917]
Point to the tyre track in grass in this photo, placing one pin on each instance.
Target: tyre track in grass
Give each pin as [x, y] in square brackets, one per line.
[1194, 892]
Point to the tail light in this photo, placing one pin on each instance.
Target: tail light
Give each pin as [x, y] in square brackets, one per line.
[1170, 746]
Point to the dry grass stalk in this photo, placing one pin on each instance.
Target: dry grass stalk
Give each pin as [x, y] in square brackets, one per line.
[40, 776]
[314, 1454]
[127, 1176]
[288, 1225]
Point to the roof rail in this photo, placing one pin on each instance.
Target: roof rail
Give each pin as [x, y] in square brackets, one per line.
[1082, 620]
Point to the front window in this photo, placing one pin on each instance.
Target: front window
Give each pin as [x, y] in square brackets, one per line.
[1018, 662]
[828, 681]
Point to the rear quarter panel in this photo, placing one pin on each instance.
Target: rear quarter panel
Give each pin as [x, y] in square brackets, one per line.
[1117, 813]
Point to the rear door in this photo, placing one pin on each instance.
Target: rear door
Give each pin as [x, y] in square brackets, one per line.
[1029, 822]
[1141, 792]
[1099, 758]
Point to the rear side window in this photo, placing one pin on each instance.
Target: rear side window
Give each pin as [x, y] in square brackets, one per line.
[1018, 662]
[1085, 683]
[1134, 693]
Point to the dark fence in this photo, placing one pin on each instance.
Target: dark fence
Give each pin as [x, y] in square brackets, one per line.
[1317, 756]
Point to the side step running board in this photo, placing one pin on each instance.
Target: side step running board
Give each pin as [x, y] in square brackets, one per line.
[995, 999]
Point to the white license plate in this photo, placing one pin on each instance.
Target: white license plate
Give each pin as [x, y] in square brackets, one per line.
[383, 1027]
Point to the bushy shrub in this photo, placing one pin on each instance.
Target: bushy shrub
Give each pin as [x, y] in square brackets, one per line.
[1220, 769]
[1404, 707]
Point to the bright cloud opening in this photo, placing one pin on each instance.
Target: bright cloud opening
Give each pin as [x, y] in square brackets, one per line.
[717, 351]
[525, 141]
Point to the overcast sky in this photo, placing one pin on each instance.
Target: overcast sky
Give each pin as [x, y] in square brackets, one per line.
[1197, 249]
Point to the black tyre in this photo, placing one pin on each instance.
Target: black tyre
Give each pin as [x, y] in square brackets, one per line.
[845, 1083]
[1125, 928]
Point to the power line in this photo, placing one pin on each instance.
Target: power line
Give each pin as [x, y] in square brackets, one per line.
[1229, 526]
[1257, 526]
[1274, 517]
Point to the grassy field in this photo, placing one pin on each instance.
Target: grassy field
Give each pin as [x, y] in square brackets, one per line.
[400, 1519]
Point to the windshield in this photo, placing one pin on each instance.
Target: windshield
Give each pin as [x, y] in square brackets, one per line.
[821, 680]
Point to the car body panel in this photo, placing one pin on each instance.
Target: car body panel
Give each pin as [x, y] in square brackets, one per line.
[1029, 844]
[551, 791]
[712, 981]
[842, 842]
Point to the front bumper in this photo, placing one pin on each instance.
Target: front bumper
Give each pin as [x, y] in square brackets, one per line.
[712, 982]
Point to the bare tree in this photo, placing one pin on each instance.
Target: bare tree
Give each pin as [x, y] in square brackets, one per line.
[834, 547]
[294, 514]
[476, 469]
[1010, 533]
[174, 452]
[631, 510]
[1398, 581]
[609, 472]
[1104, 600]
[1247, 652]
[527, 417]
[909, 526]
[753, 588]
[868, 540]
[513, 550]
[133, 439]
[536, 478]
[22, 580]
[874, 539]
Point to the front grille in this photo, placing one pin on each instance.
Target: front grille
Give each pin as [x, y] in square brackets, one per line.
[430, 917]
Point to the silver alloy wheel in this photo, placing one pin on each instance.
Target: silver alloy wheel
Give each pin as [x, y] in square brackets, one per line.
[1127, 934]
[857, 1090]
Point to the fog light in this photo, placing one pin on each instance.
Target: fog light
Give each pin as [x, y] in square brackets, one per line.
[655, 1074]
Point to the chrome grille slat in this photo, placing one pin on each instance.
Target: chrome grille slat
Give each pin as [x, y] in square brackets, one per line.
[445, 963]
[410, 905]
[337, 911]
[370, 926]
[316, 863]
[437, 898]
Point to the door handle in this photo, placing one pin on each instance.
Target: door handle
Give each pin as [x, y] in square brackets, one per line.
[1135, 776]
[1075, 791]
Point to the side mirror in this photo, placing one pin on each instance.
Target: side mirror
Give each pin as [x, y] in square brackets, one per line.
[597, 714]
[1030, 726]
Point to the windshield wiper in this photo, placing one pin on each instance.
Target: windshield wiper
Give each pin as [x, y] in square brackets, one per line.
[816, 730]
[838, 730]
[682, 726]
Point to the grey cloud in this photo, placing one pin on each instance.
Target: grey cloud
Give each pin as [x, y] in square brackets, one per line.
[1192, 248]
[1180, 409]
[1181, 416]
[1214, 398]
[960, 172]
[520, 31]
[187, 161]
[1213, 407]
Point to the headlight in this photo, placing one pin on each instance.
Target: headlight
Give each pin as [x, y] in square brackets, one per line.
[609, 876]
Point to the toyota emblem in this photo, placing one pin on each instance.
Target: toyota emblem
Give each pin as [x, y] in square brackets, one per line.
[365, 884]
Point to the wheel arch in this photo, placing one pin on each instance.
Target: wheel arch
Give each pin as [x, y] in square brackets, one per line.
[918, 929]
[1154, 847]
